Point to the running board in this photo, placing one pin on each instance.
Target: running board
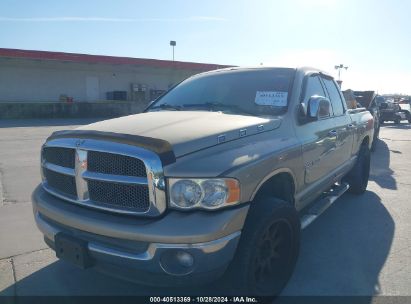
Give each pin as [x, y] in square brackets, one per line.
[320, 206]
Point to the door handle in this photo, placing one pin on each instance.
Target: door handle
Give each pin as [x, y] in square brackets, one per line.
[351, 126]
[332, 133]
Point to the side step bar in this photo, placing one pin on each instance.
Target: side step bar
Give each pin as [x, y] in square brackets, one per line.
[320, 206]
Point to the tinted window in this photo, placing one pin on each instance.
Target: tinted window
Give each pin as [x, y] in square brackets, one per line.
[335, 97]
[233, 91]
[313, 87]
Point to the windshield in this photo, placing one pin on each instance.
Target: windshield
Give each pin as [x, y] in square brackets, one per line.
[249, 92]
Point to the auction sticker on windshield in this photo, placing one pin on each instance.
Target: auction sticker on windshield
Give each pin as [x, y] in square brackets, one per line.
[271, 98]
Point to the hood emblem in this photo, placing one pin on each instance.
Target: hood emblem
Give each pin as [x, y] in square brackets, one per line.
[79, 142]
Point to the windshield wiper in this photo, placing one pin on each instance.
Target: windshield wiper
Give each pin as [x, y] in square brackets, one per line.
[217, 106]
[166, 106]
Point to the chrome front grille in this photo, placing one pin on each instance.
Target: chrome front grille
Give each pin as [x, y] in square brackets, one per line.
[115, 177]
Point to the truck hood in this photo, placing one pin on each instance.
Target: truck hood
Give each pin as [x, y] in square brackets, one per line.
[187, 131]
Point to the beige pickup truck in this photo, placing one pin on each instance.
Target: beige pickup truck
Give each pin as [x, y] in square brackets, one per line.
[217, 177]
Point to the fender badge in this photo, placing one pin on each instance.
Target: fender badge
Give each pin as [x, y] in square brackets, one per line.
[221, 138]
[243, 132]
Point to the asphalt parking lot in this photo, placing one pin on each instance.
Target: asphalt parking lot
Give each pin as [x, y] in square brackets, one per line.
[360, 246]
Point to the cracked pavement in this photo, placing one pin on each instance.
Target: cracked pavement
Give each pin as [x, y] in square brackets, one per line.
[359, 246]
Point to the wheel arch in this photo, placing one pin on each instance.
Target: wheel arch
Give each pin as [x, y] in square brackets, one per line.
[283, 177]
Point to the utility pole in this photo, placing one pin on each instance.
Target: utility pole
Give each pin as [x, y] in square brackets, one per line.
[173, 44]
[339, 67]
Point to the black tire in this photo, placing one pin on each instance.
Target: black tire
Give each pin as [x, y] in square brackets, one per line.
[358, 176]
[268, 248]
[397, 121]
[375, 139]
[374, 144]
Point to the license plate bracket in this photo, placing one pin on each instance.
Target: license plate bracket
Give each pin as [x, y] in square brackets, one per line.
[72, 249]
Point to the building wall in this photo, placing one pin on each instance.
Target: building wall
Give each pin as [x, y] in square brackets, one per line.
[26, 80]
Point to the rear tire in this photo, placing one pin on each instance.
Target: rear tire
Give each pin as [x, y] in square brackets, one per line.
[375, 139]
[374, 144]
[358, 176]
[397, 121]
[268, 248]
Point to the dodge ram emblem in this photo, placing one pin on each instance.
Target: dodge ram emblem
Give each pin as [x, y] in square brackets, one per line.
[79, 142]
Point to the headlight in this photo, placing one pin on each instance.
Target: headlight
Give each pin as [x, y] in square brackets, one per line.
[186, 193]
[203, 193]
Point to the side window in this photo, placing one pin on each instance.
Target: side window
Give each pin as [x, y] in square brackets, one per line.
[335, 97]
[313, 87]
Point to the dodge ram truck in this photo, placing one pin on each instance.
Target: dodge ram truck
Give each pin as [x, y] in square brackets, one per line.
[215, 178]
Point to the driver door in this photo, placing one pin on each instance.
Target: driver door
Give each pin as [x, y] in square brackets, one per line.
[318, 140]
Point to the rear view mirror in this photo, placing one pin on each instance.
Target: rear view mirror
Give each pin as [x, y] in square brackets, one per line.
[318, 107]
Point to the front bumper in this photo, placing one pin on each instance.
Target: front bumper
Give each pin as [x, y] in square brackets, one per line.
[142, 250]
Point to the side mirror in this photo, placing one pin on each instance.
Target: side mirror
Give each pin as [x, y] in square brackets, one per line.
[318, 107]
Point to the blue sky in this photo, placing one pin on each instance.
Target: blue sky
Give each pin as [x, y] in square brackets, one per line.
[373, 38]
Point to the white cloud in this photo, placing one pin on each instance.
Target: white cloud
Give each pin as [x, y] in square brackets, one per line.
[107, 19]
[319, 3]
[207, 18]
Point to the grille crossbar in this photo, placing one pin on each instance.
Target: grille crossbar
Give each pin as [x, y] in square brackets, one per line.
[65, 184]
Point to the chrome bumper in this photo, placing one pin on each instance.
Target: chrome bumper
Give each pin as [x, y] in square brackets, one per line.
[210, 258]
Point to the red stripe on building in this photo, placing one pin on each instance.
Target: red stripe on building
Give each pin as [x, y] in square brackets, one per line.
[86, 58]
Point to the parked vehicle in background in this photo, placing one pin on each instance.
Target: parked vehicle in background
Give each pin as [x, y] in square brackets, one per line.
[391, 111]
[219, 173]
[368, 100]
[405, 108]
[379, 100]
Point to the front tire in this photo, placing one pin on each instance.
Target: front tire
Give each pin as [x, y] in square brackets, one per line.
[268, 248]
[358, 176]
